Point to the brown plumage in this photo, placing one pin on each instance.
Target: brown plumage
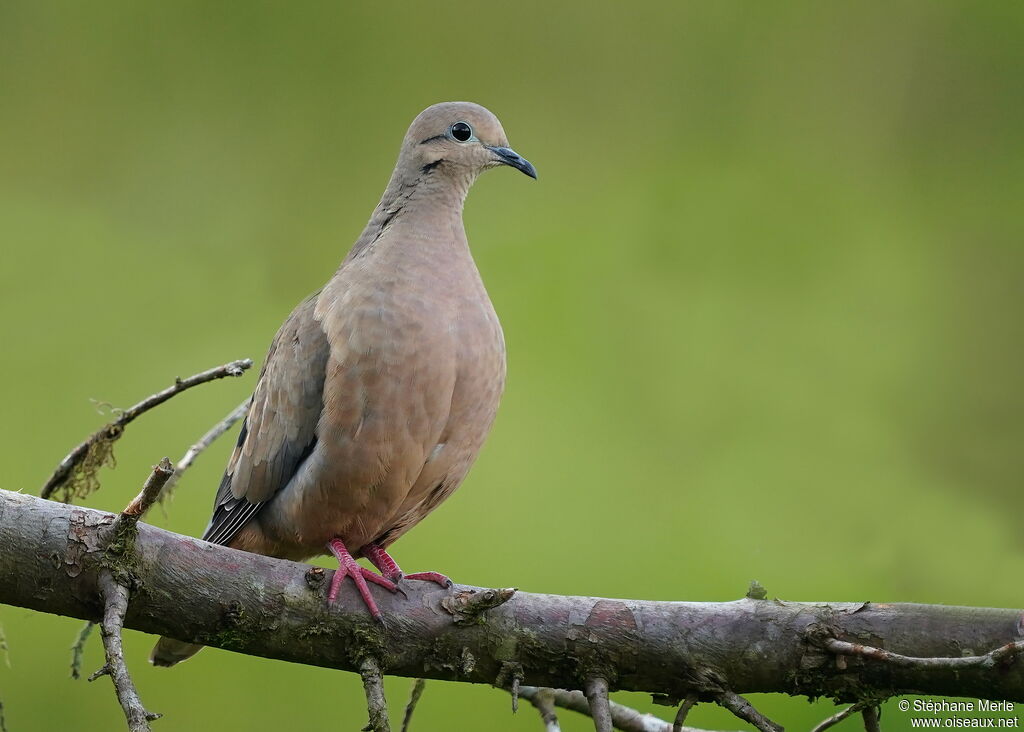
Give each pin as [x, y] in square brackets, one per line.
[379, 390]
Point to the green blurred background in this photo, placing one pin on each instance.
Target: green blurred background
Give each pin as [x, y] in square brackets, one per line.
[763, 307]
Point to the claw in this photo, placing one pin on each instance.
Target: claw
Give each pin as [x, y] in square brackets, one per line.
[390, 569]
[347, 567]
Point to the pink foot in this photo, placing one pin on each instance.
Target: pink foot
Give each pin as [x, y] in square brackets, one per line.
[347, 567]
[387, 566]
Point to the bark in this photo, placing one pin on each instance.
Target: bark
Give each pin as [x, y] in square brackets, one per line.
[53, 555]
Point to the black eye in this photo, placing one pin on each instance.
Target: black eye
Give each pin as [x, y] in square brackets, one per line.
[461, 131]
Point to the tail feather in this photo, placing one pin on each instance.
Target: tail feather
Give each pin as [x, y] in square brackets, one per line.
[168, 652]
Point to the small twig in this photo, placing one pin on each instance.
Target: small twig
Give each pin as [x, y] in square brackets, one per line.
[115, 605]
[468, 606]
[103, 670]
[115, 594]
[544, 701]
[508, 669]
[78, 648]
[138, 506]
[838, 717]
[410, 707]
[113, 431]
[202, 443]
[623, 717]
[871, 723]
[684, 709]
[991, 659]
[596, 690]
[376, 704]
[745, 711]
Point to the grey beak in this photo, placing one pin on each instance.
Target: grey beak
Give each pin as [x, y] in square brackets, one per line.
[508, 156]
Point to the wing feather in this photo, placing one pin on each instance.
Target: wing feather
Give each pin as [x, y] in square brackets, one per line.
[279, 432]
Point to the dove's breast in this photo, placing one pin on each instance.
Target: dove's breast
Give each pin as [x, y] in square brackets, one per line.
[479, 383]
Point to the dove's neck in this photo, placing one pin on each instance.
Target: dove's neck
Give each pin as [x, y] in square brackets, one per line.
[425, 207]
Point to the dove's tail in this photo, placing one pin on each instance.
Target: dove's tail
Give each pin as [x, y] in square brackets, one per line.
[168, 652]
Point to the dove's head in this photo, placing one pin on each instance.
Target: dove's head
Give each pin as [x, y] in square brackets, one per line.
[458, 140]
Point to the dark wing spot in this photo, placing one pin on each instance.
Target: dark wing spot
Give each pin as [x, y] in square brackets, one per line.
[231, 514]
[438, 494]
[243, 433]
[385, 538]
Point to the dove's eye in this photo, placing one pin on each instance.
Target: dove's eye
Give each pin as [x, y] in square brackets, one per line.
[461, 132]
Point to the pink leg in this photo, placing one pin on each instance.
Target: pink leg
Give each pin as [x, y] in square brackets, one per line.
[387, 566]
[347, 567]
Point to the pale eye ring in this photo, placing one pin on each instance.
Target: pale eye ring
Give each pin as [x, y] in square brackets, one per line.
[461, 132]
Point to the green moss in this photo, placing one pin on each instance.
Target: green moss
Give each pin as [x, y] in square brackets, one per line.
[315, 630]
[83, 478]
[120, 556]
[756, 591]
[370, 639]
[446, 654]
[505, 648]
[233, 629]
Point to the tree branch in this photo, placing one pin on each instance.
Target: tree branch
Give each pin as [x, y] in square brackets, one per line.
[52, 557]
[162, 473]
[544, 702]
[115, 598]
[202, 444]
[78, 647]
[414, 698]
[376, 704]
[683, 711]
[838, 717]
[624, 718]
[116, 577]
[746, 711]
[1000, 656]
[75, 475]
[596, 689]
[871, 722]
